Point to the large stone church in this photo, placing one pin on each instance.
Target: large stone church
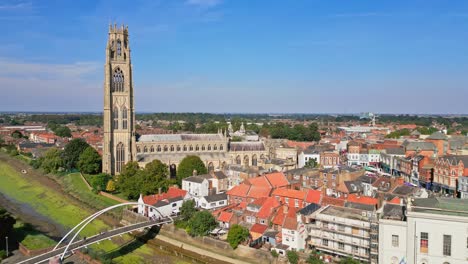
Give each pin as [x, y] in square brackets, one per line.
[120, 142]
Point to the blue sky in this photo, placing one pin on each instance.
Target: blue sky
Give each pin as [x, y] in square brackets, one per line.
[308, 56]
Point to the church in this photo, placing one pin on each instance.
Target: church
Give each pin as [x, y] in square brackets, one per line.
[121, 144]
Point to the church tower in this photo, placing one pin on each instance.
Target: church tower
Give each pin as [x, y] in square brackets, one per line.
[119, 112]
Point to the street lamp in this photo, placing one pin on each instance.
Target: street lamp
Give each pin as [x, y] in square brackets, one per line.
[6, 238]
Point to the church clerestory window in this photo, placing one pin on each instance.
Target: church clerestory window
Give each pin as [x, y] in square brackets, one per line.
[118, 80]
[120, 157]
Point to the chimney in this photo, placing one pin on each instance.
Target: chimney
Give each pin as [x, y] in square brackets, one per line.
[194, 173]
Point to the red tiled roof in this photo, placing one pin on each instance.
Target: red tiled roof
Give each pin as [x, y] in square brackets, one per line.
[259, 181]
[289, 193]
[279, 217]
[225, 217]
[258, 228]
[362, 199]
[267, 208]
[302, 145]
[176, 192]
[313, 196]
[258, 192]
[326, 200]
[290, 223]
[171, 193]
[240, 190]
[259, 201]
[277, 179]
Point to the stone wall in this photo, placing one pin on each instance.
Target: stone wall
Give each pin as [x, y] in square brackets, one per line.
[208, 243]
[30, 253]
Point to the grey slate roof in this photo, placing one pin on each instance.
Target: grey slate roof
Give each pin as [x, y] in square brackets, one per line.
[216, 197]
[420, 145]
[247, 146]
[438, 136]
[393, 211]
[309, 209]
[395, 151]
[366, 179]
[455, 159]
[220, 175]
[404, 190]
[197, 179]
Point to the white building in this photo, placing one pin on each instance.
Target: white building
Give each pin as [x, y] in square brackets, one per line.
[463, 186]
[197, 187]
[437, 231]
[213, 201]
[294, 234]
[305, 156]
[392, 235]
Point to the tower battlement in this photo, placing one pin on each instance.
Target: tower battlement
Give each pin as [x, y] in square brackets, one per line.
[122, 29]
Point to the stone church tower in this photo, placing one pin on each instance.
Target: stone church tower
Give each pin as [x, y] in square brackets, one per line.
[119, 112]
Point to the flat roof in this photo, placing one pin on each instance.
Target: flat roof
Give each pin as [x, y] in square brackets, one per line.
[440, 205]
[346, 212]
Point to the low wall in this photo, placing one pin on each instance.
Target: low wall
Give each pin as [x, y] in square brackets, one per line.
[215, 245]
[113, 197]
[33, 252]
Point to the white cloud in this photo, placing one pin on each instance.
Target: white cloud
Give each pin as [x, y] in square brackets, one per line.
[204, 3]
[15, 6]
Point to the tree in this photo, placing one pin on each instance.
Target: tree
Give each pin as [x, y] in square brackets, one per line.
[6, 223]
[293, 258]
[188, 165]
[311, 163]
[52, 160]
[90, 161]
[236, 235]
[201, 223]
[62, 131]
[17, 134]
[155, 176]
[349, 260]
[187, 210]
[190, 126]
[313, 259]
[72, 152]
[110, 186]
[99, 182]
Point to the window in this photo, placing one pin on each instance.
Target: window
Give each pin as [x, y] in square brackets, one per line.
[221, 202]
[341, 245]
[172, 148]
[145, 149]
[124, 118]
[197, 148]
[165, 148]
[424, 242]
[355, 249]
[325, 242]
[209, 147]
[185, 148]
[203, 147]
[286, 200]
[215, 147]
[120, 157]
[115, 115]
[178, 148]
[159, 149]
[191, 148]
[395, 241]
[212, 204]
[119, 48]
[221, 147]
[152, 149]
[341, 228]
[447, 247]
[296, 203]
[118, 80]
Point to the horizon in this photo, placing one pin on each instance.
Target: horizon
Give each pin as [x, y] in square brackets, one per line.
[224, 56]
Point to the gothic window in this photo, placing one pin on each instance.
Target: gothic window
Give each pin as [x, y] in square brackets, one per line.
[238, 160]
[159, 149]
[172, 148]
[152, 149]
[178, 148]
[118, 80]
[124, 118]
[185, 148]
[209, 147]
[197, 148]
[210, 167]
[191, 148]
[119, 48]
[254, 160]
[115, 117]
[120, 157]
[203, 147]
[165, 148]
[221, 147]
[145, 149]
[215, 147]
[138, 149]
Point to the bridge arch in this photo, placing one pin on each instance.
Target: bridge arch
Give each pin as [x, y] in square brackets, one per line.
[90, 218]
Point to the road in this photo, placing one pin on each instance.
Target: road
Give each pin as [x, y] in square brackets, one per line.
[91, 240]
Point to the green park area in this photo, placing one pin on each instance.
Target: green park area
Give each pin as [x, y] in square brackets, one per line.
[62, 209]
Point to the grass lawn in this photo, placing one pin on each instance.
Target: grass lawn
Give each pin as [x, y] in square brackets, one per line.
[74, 184]
[32, 239]
[54, 205]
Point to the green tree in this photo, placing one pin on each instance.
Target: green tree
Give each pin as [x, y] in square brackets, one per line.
[17, 134]
[110, 186]
[236, 235]
[349, 260]
[62, 131]
[155, 177]
[201, 223]
[72, 152]
[274, 253]
[311, 163]
[190, 126]
[52, 160]
[6, 223]
[188, 165]
[187, 210]
[313, 259]
[99, 181]
[293, 258]
[90, 161]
